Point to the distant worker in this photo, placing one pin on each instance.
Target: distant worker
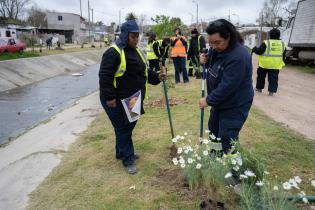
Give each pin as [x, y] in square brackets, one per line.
[164, 46]
[271, 59]
[153, 53]
[196, 44]
[178, 54]
[106, 41]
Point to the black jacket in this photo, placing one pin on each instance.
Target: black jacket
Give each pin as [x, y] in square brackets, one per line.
[229, 77]
[133, 80]
[193, 46]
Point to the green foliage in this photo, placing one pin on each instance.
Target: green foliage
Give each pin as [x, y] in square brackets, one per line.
[165, 25]
[131, 16]
[10, 56]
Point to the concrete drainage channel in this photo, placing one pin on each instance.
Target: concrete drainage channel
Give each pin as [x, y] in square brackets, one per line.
[21, 72]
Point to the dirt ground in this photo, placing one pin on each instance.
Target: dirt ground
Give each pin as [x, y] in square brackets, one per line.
[294, 103]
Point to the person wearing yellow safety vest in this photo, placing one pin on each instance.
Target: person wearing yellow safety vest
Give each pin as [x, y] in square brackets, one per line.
[196, 45]
[164, 46]
[153, 53]
[271, 59]
[178, 54]
[123, 72]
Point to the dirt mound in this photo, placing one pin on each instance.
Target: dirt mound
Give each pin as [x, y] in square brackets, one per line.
[160, 103]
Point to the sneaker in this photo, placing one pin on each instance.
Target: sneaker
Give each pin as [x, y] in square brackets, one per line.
[259, 90]
[270, 94]
[131, 169]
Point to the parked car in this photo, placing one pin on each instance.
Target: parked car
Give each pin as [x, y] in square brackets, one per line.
[11, 45]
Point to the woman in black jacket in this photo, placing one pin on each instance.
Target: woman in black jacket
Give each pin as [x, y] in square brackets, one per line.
[113, 88]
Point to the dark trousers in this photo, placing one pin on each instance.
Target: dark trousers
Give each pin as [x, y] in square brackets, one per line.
[227, 123]
[180, 67]
[123, 131]
[154, 65]
[273, 77]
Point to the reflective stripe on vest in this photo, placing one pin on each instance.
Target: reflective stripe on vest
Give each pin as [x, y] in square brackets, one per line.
[150, 52]
[122, 67]
[273, 55]
[199, 44]
[178, 50]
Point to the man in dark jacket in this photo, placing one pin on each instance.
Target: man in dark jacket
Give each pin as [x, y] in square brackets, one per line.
[115, 86]
[196, 45]
[271, 59]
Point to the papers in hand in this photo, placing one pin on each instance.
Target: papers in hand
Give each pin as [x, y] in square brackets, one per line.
[132, 106]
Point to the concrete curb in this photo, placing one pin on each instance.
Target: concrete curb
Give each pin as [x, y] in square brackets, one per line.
[21, 72]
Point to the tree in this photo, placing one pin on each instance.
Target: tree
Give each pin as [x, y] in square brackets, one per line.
[99, 23]
[37, 17]
[274, 9]
[165, 25]
[131, 16]
[12, 9]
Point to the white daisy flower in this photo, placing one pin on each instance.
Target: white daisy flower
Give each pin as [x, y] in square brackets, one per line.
[207, 131]
[179, 150]
[293, 183]
[287, 186]
[205, 141]
[186, 151]
[275, 188]
[182, 165]
[218, 139]
[185, 133]
[205, 153]
[182, 138]
[298, 179]
[174, 140]
[175, 161]
[212, 136]
[242, 176]
[236, 168]
[181, 160]
[233, 161]
[198, 166]
[228, 175]
[313, 183]
[190, 160]
[249, 173]
[259, 183]
[239, 161]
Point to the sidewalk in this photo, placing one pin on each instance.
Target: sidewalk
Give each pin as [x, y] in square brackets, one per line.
[26, 161]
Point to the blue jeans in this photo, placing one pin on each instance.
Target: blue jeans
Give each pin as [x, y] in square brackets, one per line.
[123, 131]
[227, 123]
[180, 67]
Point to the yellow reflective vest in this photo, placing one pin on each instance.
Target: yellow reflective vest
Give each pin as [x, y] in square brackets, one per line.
[273, 55]
[150, 52]
[123, 64]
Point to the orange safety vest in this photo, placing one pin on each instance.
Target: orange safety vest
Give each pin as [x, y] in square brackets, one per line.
[179, 49]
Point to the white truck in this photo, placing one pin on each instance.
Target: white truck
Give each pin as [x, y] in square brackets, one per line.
[299, 35]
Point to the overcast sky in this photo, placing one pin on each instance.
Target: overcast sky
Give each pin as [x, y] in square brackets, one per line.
[108, 10]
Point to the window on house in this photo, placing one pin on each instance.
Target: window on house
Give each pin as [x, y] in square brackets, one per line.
[60, 18]
[8, 33]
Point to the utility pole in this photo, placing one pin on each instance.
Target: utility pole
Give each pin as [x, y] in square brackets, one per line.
[93, 23]
[229, 15]
[89, 21]
[261, 25]
[197, 13]
[81, 8]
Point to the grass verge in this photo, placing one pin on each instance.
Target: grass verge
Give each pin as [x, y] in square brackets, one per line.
[89, 177]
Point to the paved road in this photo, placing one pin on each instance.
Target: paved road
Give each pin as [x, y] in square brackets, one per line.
[294, 103]
[22, 108]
